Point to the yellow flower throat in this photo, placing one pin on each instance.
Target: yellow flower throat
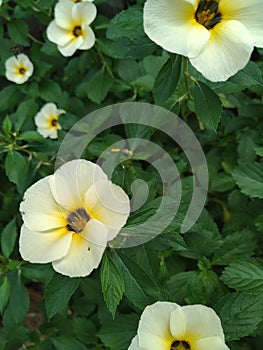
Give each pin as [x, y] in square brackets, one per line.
[208, 14]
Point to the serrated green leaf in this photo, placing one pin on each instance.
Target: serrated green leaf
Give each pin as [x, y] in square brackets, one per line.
[4, 294]
[112, 283]
[207, 105]
[222, 182]
[50, 91]
[250, 75]
[67, 343]
[16, 167]
[8, 238]
[240, 313]
[249, 177]
[58, 292]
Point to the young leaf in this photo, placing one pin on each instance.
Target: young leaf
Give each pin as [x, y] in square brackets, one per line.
[4, 294]
[16, 167]
[8, 238]
[112, 283]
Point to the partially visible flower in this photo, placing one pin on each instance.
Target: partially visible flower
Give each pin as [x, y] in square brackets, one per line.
[18, 68]
[70, 29]
[218, 36]
[46, 120]
[169, 326]
[1, 1]
[70, 216]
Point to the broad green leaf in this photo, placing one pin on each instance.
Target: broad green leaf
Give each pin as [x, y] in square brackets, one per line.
[4, 294]
[16, 167]
[249, 177]
[7, 125]
[85, 330]
[250, 75]
[167, 79]
[222, 182]
[26, 111]
[67, 343]
[117, 334]
[8, 238]
[112, 283]
[207, 105]
[50, 91]
[244, 275]
[240, 313]
[58, 292]
[18, 30]
[31, 136]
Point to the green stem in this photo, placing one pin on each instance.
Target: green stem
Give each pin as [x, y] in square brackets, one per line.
[186, 77]
[104, 62]
[34, 39]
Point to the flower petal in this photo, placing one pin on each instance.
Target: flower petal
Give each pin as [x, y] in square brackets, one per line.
[249, 13]
[84, 12]
[200, 322]
[58, 35]
[134, 344]
[215, 343]
[38, 247]
[109, 204]
[39, 210]
[154, 326]
[227, 52]
[63, 15]
[71, 181]
[88, 38]
[83, 255]
[71, 47]
[169, 23]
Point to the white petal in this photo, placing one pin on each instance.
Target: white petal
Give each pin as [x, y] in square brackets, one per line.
[72, 180]
[169, 23]
[200, 322]
[249, 13]
[38, 247]
[58, 35]
[154, 326]
[39, 210]
[134, 344]
[83, 256]
[215, 343]
[63, 15]
[109, 204]
[227, 52]
[197, 40]
[53, 134]
[71, 47]
[84, 12]
[11, 63]
[49, 109]
[44, 131]
[88, 38]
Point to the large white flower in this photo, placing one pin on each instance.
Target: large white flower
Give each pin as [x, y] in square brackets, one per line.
[70, 216]
[46, 120]
[218, 36]
[18, 68]
[169, 326]
[70, 29]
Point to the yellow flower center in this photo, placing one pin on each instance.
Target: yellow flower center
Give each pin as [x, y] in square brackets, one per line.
[180, 345]
[208, 14]
[77, 220]
[22, 70]
[77, 31]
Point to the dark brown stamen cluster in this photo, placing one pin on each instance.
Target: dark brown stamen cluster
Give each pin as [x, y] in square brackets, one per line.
[77, 31]
[77, 220]
[208, 13]
[180, 345]
[22, 70]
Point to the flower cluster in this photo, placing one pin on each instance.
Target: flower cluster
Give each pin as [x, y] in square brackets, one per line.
[70, 29]
[169, 326]
[70, 216]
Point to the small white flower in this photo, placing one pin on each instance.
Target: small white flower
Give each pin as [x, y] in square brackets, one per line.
[70, 216]
[18, 68]
[70, 29]
[169, 326]
[218, 36]
[46, 120]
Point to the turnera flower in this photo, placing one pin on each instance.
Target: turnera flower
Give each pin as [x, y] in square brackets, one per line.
[70, 29]
[169, 326]
[218, 36]
[70, 216]
[47, 120]
[18, 68]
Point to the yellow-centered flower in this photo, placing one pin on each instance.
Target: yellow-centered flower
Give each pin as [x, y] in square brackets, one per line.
[46, 120]
[169, 326]
[70, 216]
[70, 29]
[18, 68]
[218, 36]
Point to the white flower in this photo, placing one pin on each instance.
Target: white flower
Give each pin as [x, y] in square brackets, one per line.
[18, 68]
[1, 2]
[70, 216]
[70, 29]
[218, 36]
[169, 326]
[47, 120]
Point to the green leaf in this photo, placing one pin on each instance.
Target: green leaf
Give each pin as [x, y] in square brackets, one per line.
[8, 238]
[31, 136]
[26, 111]
[58, 292]
[84, 330]
[16, 167]
[207, 105]
[222, 182]
[112, 283]
[237, 245]
[67, 343]
[4, 294]
[117, 334]
[18, 31]
[249, 177]
[250, 75]
[244, 275]
[240, 313]
[167, 79]
[50, 91]
[7, 125]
